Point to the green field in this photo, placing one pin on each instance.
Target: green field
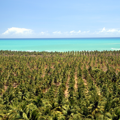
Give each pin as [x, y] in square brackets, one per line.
[60, 85]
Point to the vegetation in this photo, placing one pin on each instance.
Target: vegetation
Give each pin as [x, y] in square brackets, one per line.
[60, 85]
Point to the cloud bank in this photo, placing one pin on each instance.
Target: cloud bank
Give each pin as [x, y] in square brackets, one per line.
[24, 32]
[110, 30]
[78, 32]
[16, 30]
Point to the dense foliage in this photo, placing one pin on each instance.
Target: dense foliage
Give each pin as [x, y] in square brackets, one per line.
[60, 85]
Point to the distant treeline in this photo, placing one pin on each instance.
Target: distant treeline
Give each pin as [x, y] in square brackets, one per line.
[8, 52]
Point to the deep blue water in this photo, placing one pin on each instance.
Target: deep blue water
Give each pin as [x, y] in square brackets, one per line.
[60, 44]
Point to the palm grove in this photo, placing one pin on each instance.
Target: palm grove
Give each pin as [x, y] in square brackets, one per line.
[60, 85]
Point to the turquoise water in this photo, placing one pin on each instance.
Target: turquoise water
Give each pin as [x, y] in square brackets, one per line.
[66, 44]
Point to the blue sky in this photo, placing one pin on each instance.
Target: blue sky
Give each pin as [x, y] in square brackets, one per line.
[59, 18]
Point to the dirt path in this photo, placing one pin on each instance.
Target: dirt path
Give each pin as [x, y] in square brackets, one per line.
[5, 88]
[43, 75]
[67, 86]
[85, 83]
[15, 85]
[75, 86]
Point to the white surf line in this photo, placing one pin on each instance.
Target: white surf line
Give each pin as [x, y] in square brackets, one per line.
[115, 48]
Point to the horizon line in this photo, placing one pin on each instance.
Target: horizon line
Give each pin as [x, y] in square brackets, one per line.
[63, 38]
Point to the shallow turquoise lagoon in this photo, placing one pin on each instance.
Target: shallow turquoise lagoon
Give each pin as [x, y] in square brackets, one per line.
[63, 44]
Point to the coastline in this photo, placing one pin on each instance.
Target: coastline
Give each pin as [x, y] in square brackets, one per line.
[32, 51]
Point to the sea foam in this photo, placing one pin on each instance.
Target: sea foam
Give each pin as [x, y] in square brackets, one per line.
[115, 48]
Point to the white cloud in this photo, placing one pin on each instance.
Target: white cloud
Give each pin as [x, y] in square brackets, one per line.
[79, 31]
[46, 33]
[112, 30]
[74, 32]
[85, 31]
[42, 33]
[109, 30]
[103, 30]
[57, 32]
[17, 30]
[71, 32]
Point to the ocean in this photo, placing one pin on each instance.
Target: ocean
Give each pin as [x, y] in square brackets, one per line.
[60, 44]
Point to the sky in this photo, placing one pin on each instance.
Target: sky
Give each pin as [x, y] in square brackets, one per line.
[59, 18]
